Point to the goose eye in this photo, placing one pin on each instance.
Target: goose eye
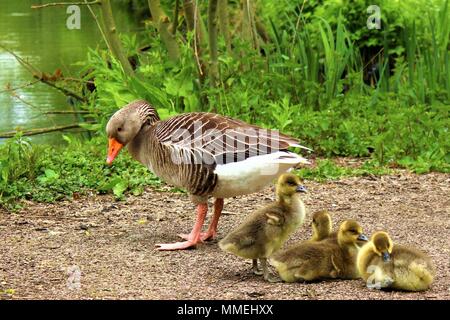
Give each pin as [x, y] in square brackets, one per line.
[119, 129]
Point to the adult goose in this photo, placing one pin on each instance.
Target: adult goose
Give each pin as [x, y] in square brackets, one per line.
[205, 153]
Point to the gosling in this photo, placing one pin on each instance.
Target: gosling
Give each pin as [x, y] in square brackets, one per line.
[383, 264]
[321, 225]
[327, 259]
[267, 229]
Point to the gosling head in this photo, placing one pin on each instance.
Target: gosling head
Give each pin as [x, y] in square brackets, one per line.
[350, 232]
[382, 245]
[321, 224]
[126, 123]
[289, 184]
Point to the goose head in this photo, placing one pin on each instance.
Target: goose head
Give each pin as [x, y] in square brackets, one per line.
[126, 123]
[350, 233]
[289, 184]
[382, 245]
[321, 224]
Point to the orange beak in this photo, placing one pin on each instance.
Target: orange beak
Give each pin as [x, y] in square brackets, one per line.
[113, 150]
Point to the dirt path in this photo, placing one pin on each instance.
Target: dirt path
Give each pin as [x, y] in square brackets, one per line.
[112, 243]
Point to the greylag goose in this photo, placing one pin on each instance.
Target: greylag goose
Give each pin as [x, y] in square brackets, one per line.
[383, 264]
[316, 260]
[207, 154]
[264, 231]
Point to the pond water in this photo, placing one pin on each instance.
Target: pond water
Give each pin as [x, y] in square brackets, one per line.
[41, 37]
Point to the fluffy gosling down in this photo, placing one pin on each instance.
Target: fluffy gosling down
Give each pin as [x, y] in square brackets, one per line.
[265, 230]
[321, 225]
[318, 260]
[383, 264]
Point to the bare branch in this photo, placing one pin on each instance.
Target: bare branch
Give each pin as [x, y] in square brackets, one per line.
[66, 92]
[212, 33]
[67, 112]
[195, 24]
[8, 87]
[31, 105]
[197, 58]
[98, 25]
[41, 76]
[53, 4]
[175, 17]
[33, 132]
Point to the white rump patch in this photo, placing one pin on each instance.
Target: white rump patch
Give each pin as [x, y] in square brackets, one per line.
[254, 173]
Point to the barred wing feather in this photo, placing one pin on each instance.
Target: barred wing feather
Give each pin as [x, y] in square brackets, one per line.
[214, 139]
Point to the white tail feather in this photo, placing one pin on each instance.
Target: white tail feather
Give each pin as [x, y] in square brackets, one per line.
[254, 173]
[300, 146]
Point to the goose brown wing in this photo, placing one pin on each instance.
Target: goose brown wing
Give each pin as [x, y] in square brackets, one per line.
[214, 139]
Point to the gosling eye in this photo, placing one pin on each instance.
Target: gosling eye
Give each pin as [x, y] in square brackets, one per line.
[119, 129]
[291, 183]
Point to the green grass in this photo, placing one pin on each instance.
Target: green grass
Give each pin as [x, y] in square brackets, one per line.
[79, 168]
[59, 173]
[326, 169]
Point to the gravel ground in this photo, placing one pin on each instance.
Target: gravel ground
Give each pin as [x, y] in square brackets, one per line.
[112, 243]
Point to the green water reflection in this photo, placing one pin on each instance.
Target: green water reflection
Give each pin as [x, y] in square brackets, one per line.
[42, 38]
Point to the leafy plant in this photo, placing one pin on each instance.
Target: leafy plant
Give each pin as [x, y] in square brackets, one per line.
[76, 168]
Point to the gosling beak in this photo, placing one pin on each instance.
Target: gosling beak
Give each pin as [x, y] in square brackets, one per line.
[301, 189]
[113, 150]
[386, 256]
[363, 237]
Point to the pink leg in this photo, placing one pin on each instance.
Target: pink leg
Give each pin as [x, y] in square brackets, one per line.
[194, 237]
[212, 229]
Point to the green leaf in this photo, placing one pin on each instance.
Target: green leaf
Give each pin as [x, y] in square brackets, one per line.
[120, 188]
[51, 174]
[91, 126]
